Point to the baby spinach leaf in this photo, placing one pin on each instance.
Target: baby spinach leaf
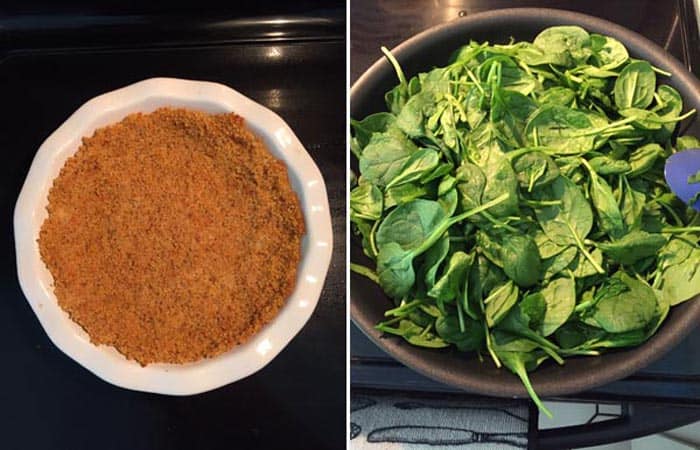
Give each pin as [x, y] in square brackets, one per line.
[546, 247]
[608, 52]
[411, 224]
[565, 129]
[434, 256]
[631, 309]
[490, 247]
[363, 228]
[500, 180]
[516, 254]
[521, 260]
[635, 86]
[604, 165]
[366, 202]
[395, 270]
[609, 215]
[687, 142]
[449, 201]
[469, 303]
[518, 323]
[564, 45]
[558, 95]
[511, 110]
[569, 221]
[508, 342]
[472, 338]
[415, 334]
[384, 157]
[396, 98]
[483, 278]
[633, 246]
[474, 105]
[470, 184]
[582, 267]
[417, 165]
[405, 193]
[520, 363]
[679, 270]
[560, 297]
[631, 205]
[512, 78]
[411, 119]
[577, 334]
[535, 169]
[642, 159]
[493, 179]
[499, 302]
[407, 232]
[534, 306]
[440, 171]
[447, 288]
[365, 128]
[671, 105]
[555, 264]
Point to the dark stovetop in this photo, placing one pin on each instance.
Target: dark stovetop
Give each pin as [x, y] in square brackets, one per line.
[671, 24]
[295, 66]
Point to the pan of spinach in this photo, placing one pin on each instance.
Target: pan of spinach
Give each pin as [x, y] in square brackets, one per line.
[509, 208]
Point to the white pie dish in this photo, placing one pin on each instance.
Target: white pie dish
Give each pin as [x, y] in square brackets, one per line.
[104, 361]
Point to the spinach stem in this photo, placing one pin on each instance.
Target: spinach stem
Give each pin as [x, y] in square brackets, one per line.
[521, 372]
[391, 330]
[660, 71]
[671, 230]
[496, 292]
[553, 355]
[440, 230]
[372, 241]
[536, 203]
[490, 349]
[584, 306]
[585, 252]
[389, 322]
[476, 81]
[364, 271]
[499, 223]
[426, 330]
[403, 309]
[670, 210]
[679, 118]
[611, 125]
[460, 317]
[577, 351]
[395, 63]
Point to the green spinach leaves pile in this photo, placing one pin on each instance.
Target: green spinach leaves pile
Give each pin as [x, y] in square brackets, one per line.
[515, 205]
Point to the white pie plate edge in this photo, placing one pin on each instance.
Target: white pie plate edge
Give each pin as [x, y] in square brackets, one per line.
[104, 361]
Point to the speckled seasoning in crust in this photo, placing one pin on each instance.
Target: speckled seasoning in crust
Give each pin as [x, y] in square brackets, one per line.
[172, 236]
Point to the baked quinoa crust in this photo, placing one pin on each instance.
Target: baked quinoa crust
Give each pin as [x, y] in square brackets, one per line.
[172, 236]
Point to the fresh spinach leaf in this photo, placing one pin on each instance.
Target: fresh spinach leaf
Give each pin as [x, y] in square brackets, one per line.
[366, 202]
[560, 298]
[635, 86]
[630, 309]
[632, 247]
[384, 157]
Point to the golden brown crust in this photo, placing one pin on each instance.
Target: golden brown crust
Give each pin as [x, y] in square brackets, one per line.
[172, 236]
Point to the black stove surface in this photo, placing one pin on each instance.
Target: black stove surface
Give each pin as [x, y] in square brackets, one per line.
[49, 66]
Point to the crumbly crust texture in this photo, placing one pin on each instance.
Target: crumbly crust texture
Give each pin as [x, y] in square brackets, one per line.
[172, 236]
